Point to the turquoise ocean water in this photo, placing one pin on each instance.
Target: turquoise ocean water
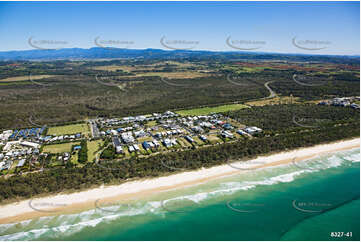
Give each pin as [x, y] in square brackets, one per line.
[317, 199]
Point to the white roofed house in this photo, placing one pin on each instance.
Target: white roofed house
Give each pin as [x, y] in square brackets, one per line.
[227, 134]
[136, 147]
[119, 149]
[173, 141]
[113, 132]
[140, 133]
[167, 143]
[253, 130]
[21, 163]
[2, 165]
[30, 144]
[155, 142]
[127, 137]
[6, 134]
[131, 148]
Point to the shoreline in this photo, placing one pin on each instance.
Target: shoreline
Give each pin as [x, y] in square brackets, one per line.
[63, 203]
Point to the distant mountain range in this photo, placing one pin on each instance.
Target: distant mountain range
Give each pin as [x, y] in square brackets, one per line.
[114, 53]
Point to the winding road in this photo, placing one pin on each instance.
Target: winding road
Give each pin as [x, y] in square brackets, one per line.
[272, 93]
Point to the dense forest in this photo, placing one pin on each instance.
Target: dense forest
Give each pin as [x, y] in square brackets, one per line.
[72, 92]
[285, 118]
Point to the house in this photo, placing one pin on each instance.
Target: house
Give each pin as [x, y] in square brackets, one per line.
[189, 139]
[30, 144]
[6, 135]
[2, 165]
[140, 133]
[253, 130]
[220, 122]
[117, 145]
[155, 142]
[227, 126]
[227, 134]
[21, 163]
[355, 106]
[203, 138]
[146, 145]
[167, 143]
[197, 129]
[158, 135]
[136, 147]
[173, 141]
[119, 149]
[127, 137]
[131, 148]
[151, 144]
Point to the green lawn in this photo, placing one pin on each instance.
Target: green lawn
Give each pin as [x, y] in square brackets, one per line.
[59, 148]
[69, 129]
[208, 110]
[93, 147]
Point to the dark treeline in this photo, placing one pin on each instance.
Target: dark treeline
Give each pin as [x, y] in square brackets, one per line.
[286, 117]
[72, 178]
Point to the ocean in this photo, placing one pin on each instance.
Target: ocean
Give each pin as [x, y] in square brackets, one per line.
[318, 199]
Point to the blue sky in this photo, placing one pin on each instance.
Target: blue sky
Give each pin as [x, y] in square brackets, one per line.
[319, 27]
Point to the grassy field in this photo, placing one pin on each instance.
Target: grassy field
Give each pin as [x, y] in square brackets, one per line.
[69, 129]
[275, 100]
[59, 148]
[213, 138]
[208, 110]
[93, 147]
[154, 70]
[25, 78]
[179, 75]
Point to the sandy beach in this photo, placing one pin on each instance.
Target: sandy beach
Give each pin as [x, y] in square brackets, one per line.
[84, 200]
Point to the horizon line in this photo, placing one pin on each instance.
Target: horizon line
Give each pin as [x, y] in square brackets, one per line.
[186, 50]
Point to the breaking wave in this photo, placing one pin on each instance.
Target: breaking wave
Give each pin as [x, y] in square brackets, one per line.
[57, 227]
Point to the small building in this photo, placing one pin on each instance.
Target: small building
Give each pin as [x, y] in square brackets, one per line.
[167, 143]
[197, 129]
[253, 130]
[203, 138]
[136, 147]
[30, 144]
[119, 149]
[77, 147]
[227, 126]
[151, 144]
[155, 142]
[355, 106]
[241, 132]
[227, 134]
[146, 145]
[173, 141]
[189, 139]
[21, 163]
